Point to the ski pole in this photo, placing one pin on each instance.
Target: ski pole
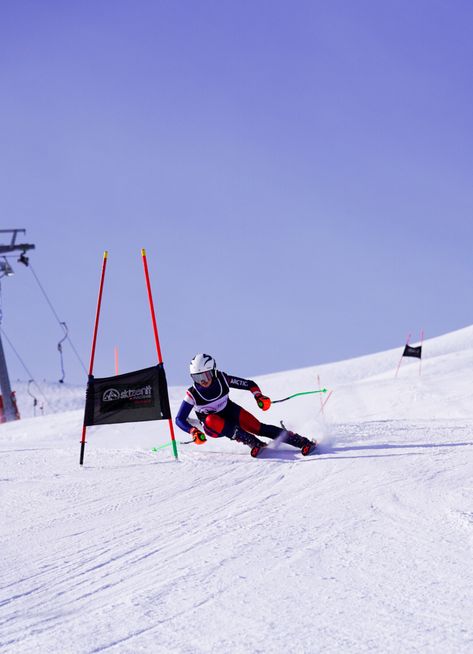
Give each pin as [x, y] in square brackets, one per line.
[160, 447]
[322, 390]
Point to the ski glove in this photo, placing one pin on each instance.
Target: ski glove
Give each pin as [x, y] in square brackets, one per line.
[197, 436]
[263, 401]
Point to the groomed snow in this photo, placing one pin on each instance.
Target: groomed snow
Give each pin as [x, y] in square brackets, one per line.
[366, 547]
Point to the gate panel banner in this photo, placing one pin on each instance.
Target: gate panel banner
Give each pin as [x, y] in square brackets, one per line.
[131, 397]
[413, 351]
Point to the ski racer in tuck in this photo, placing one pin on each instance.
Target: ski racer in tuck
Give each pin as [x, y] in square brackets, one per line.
[220, 416]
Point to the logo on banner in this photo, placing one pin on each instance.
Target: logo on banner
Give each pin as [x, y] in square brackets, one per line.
[112, 394]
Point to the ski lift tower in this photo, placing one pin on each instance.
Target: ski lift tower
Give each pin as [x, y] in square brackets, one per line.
[9, 408]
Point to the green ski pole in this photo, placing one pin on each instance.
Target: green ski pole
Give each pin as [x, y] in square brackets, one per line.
[323, 390]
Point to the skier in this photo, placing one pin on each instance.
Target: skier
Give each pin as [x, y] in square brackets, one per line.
[220, 416]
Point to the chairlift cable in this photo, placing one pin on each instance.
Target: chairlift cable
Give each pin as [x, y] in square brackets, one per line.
[61, 322]
[24, 365]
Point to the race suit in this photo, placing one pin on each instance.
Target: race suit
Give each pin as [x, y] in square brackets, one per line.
[219, 415]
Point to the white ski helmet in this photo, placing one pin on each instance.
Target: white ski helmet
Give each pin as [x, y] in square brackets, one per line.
[203, 368]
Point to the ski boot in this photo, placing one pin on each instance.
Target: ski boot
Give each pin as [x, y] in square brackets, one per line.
[305, 445]
[242, 436]
[308, 447]
[256, 449]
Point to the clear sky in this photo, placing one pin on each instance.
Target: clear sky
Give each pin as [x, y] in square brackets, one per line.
[299, 172]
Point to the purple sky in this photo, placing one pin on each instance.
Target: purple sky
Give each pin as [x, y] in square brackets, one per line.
[299, 172]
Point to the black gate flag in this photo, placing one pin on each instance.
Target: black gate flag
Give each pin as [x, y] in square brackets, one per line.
[411, 351]
[132, 397]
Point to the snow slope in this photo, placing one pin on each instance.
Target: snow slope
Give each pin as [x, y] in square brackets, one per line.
[367, 547]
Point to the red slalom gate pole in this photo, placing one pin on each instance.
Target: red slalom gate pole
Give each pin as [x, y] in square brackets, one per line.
[321, 400]
[156, 338]
[400, 360]
[94, 342]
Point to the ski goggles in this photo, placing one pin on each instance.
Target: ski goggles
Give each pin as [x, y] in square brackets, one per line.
[204, 377]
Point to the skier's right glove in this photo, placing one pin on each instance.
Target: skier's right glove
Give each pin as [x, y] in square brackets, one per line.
[197, 436]
[262, 401]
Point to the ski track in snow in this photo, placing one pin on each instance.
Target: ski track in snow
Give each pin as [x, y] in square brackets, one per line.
[364, 547]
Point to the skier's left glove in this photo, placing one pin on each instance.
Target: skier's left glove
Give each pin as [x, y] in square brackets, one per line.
[197, 436]
[263, 401]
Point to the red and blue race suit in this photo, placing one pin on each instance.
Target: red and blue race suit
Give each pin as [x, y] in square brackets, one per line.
[218, 414]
